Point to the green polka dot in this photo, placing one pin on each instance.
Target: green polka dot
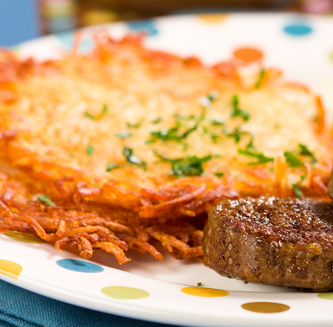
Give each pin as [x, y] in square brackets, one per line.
[204, 291]
[124, 292]
[23, 237]
[326, 296]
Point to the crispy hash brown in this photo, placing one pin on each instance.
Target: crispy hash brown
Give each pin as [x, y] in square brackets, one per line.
[135, 146]
[114, 230]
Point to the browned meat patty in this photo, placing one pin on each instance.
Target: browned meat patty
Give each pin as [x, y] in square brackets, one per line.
[287, 242]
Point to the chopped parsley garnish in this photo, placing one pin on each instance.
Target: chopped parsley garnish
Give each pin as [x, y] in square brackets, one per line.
[180, 117]
[188, 166]
[213, 136]
[88, 115]
[137, 125]
[199, 284]
[132, 158]
[260, 156]
[90, 150]
[260, 78]
[103, 112]
[237, 111]
[111, 165]
[123, 134]
[219, 174]
[236, 134]
[306, 152]
[173, 134]
[45, 199]
[208, 99]
[157, 120]
[292, 160]
[303, 178]
[250, 145]
[217, 121]
[297, 191]
[192, 166]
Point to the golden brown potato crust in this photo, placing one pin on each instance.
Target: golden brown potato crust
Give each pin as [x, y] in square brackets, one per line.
[155, 135]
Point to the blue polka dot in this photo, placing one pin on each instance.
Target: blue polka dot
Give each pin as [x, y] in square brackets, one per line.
[67, 40]
[79, 266]
[148, 26]
[298, 29]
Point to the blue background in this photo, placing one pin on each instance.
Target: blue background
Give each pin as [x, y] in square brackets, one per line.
[19, 21]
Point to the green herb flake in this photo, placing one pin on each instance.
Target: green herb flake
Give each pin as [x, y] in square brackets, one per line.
[199, 284]
[137, 125]
[236, 134]
[219, 174]
[260, 78]
[250, 145]
[192, 166]
[217, 121]
[306, 152]
[237, 111]
[88, 115]
[132, 158]
[189, 166]
[208, 99]
[90, 150]
[103, 112]
[123, 134]
[173, 134]
[213, 136]
[297, 191]
[292, 160]
[303, 178]
[260, 156]
[157, 120]
[45, 199]
[111, 165]
[180, 117]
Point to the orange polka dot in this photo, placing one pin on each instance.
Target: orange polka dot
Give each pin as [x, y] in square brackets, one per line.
[248, 55]
[265, 307]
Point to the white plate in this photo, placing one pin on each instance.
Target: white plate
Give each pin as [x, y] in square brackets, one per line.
[303, 48]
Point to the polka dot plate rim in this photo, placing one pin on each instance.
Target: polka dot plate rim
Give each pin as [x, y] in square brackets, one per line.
[168, 291]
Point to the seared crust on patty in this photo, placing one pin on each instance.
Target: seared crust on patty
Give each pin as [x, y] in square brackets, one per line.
[286, 242]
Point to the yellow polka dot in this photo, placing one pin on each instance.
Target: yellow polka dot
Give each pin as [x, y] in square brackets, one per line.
[10, 268]
[23, 237]
[212, 18]
[265, 307]
[204, 291]
[124, 292]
